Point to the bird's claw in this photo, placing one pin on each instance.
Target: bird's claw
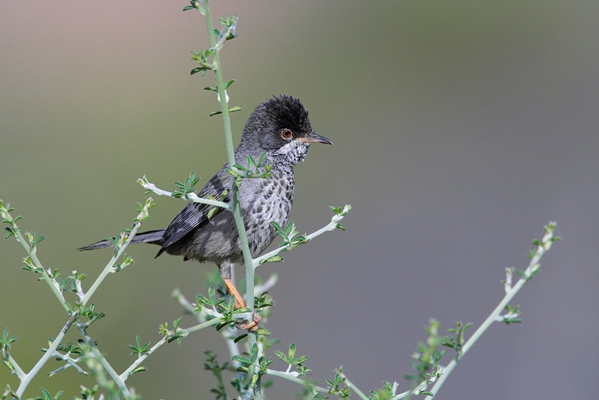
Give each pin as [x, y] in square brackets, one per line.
[251, 326]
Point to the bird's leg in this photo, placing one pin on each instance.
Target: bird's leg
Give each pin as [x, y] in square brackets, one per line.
[232, 289]
[225, 272]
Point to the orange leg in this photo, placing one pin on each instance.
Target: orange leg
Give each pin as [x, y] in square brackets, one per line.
[239, 301]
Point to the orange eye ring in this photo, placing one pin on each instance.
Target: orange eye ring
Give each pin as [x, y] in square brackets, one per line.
[286, 134]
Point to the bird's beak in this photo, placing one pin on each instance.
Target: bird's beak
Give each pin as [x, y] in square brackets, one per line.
[314, 138]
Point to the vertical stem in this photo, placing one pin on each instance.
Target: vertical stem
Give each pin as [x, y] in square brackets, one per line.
[220, 86]
[236, 208]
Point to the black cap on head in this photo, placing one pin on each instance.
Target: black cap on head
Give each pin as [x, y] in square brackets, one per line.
[265, 124]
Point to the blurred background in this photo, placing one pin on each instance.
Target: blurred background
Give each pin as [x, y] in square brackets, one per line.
[460, 129]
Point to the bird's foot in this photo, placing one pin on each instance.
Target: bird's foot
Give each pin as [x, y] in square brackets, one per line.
[251, 326]
[240, 303]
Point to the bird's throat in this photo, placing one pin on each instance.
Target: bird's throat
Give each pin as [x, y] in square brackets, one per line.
[293, 152]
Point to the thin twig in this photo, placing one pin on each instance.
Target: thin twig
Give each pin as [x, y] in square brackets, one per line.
[533, 266]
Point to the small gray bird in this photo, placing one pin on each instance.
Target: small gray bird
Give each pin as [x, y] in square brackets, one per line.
[280, 129]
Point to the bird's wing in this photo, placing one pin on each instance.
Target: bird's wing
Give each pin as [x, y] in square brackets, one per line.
[195, 214]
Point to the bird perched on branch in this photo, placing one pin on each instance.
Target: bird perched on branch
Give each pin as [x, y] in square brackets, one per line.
[280, 129]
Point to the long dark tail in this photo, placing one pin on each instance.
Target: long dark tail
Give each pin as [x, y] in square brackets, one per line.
[152, 237]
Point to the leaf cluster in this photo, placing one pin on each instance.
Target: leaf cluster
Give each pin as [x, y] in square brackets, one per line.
[339, 214]
[292, 360]
[211, 364]
[221, 305]
[13, 228]
[457, 341]
[252, 170]
[172, 335]
[290, 236]
[5, 343]
[426, 360]
[253, 366]
[512, 315]
[139, 348]
[186, 187]
[337, 385]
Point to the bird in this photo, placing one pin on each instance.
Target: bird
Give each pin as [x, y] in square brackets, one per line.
[279, 130]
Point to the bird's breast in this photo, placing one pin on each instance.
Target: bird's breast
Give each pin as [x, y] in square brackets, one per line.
[264, 201]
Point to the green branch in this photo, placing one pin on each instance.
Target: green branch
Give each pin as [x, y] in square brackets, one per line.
[122, 245]
[353, 387]
[130, 370]
[35, 264]
[533, 268]
[331, 226]
[150, 187]
[120, 383]
[30, 247]
[215, 46]
[50, 353]
[293, 377]
[235, 205]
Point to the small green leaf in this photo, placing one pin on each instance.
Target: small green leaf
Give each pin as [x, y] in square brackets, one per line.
[6, 341]
[254, 353]
[272, 260]
[282, 356]
[242, 359]
[138, 347]
[177, 322]
[254, 380]
[138, 369]
[301, 360]
[263, 332]
[240, 337]
[212, 211]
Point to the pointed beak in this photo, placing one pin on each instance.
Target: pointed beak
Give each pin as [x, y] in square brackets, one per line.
[314, 138]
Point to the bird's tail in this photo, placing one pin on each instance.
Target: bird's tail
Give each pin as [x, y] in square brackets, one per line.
[152, 237]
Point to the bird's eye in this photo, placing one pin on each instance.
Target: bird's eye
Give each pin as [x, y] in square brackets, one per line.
[286, 134]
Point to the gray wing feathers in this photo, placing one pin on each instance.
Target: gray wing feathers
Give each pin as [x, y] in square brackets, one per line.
[194, 214]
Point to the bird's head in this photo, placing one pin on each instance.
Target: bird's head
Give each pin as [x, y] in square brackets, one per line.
[280, 126]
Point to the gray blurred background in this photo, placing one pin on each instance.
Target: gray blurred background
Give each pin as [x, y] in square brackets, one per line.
[460, 129]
